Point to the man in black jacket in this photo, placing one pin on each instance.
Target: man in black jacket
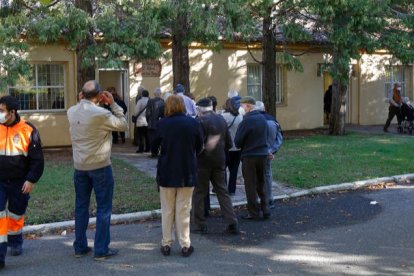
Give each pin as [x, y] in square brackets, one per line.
[251, 138]
[152, 113]
[21, 166]
[211, 166]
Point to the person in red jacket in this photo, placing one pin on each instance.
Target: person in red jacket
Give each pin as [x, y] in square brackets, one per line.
[21, 166]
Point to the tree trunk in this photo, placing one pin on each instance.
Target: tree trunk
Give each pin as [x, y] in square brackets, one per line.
[85, 73]
[180, 57]
[269, 65]
[338, 106]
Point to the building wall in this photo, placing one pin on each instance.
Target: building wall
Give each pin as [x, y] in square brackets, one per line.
[373, 107]
[53, 126]
[216, 73]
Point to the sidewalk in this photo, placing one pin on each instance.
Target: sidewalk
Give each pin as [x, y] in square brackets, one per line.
[144, 163]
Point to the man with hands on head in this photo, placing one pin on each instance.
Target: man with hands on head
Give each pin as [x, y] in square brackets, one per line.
[91, 127]
[21, 166]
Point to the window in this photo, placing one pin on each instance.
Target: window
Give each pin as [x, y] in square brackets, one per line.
[396, 74]
[45, 90]
[254, 82]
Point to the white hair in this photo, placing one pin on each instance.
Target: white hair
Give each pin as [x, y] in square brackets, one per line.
[157, 92]
[232, 93]
[204, 109]
[260, 105]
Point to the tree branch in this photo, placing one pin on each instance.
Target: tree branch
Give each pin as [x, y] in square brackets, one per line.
[251, 54]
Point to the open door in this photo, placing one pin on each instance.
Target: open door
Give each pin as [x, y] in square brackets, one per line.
[117, 78]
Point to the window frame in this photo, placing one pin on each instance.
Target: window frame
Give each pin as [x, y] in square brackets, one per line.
[35, 86]
[390, 80]
[280, 81]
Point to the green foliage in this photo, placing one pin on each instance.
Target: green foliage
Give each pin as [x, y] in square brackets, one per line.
[349, 26]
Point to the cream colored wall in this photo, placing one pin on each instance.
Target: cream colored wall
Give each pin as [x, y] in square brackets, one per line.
[304, 104]
[373, 107]
[53, 126]
[216, 73]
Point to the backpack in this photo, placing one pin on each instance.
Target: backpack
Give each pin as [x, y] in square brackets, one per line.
[279, 137]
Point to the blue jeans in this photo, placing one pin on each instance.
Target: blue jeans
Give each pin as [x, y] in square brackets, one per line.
[269, 179]
[102, 182]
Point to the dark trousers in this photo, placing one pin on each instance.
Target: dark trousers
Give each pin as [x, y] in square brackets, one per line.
[216, 176]
[12, 219]
[102, 182]
[393, 111]
[115, 136]
[143, 141]
[151, 136]
[254, 182]
[232, 162]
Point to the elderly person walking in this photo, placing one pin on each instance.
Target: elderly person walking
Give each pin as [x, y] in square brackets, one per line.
[251, 138]
[395, 100]
[180, 140]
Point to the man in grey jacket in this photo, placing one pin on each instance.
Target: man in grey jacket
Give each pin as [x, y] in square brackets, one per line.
[91, 129]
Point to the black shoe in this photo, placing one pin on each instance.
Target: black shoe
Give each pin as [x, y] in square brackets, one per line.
[109, 254]
[187, 251]
[201, 229]
[2, 265]
[83, 253]
[139, 151]
[249, 217]
[385, 129]
[266, 216]
[232, 229]
[152, 156]
[16, 251]
[272, 205]
[166, 250]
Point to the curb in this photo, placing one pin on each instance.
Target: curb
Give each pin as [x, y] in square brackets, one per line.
[133, 217]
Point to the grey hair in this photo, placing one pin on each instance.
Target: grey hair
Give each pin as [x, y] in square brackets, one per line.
[232, 93]
[260, 105]
[157, 92]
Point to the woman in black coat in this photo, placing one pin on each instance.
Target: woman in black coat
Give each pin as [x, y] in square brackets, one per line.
[180, 140]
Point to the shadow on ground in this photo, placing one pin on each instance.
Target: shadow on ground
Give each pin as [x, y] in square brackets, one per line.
[305, 214]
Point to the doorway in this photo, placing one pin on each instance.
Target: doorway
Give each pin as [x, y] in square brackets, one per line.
[327, 81]
[117, 78]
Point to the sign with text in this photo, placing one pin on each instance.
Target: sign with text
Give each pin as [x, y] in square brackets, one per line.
[148, 68]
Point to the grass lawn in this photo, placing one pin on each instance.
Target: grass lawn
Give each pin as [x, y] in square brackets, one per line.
[324, 160]
[54, 196]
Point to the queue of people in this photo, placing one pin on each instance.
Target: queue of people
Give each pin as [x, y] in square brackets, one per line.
[194, 146]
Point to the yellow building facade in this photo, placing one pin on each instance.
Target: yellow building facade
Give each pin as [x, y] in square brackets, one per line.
[52, 91]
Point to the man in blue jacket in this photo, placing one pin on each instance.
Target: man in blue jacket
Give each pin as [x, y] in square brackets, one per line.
[251, 138]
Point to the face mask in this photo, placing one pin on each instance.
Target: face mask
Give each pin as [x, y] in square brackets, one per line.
[399, 88]
[3, 118]
[242, 111]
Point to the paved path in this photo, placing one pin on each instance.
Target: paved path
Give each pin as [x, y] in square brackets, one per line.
[352, 233]
[144, 163]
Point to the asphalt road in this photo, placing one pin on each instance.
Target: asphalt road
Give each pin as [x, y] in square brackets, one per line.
[351, 233]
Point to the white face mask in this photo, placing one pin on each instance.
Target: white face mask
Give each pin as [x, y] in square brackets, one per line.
[3, 118]
[399, 88]
[242, 111]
